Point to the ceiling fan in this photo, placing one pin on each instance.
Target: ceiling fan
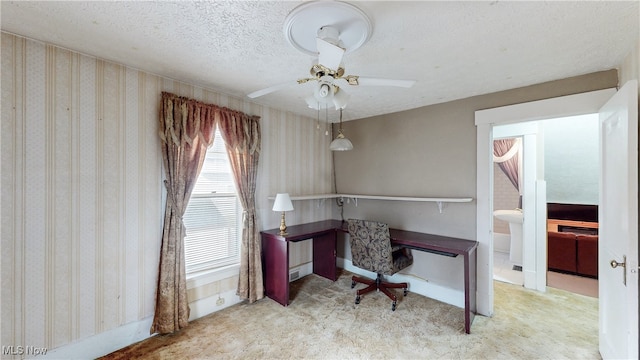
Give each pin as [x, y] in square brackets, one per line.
[329, 29]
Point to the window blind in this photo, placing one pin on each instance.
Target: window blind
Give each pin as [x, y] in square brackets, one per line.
[212, 218]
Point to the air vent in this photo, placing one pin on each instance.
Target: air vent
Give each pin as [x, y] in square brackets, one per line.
[294, 275]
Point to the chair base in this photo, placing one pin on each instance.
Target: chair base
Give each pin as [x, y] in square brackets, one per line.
[379, 285]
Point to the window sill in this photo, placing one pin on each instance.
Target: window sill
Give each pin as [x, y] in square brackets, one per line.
[204, 277]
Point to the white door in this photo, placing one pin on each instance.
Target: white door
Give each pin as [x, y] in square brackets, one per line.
[618, 223]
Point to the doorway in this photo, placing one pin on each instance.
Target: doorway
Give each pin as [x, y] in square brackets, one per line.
[567, 162]
[618, 245]
[486, 120]
[507, 204]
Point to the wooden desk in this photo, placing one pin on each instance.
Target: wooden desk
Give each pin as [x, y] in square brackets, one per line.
[447, 246]
[275, 257]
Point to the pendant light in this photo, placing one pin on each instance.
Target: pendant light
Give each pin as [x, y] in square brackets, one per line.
[341, 143]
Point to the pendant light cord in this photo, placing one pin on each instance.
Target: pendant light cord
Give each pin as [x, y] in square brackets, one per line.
[339, 201]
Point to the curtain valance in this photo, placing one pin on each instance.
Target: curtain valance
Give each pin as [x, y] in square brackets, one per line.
[182, 118]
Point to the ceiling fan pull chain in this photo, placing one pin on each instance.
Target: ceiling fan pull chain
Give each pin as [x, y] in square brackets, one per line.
[326, 117]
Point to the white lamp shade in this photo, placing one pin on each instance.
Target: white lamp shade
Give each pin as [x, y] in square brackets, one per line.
[341, 144]
[282, 203]
[326, 95]
[340, 99]
[314, 104]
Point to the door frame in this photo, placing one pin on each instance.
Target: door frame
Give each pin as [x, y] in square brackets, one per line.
[485, 120]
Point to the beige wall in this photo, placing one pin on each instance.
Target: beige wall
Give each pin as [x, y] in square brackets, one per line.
[82, 193]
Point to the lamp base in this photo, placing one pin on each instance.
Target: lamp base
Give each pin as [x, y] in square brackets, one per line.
[283, 226]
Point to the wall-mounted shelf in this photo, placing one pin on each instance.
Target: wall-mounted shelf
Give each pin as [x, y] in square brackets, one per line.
[440, 201]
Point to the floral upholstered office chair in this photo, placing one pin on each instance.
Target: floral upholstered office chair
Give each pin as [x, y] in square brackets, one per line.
[371, 250]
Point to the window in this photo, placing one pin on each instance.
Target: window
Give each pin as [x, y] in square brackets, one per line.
[213, 216]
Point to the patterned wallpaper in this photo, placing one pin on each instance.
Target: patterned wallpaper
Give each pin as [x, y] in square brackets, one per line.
[82, 193]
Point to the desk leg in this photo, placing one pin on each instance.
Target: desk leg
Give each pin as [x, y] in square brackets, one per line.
[275, 260]
[324, 255]
[469, 289]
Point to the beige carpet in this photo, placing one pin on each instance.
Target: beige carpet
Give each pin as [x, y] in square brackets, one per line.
[323, 322]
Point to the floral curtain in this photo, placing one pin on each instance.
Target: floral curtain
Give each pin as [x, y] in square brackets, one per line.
[241, 134]
[187, 128]
[506, 152]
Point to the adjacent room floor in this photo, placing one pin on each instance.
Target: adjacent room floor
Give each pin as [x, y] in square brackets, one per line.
[503, 270]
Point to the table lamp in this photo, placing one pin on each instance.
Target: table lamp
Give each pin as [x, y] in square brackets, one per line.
[282, 203]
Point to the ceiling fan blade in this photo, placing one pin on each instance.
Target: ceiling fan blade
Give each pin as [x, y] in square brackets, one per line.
[329, 55]
[271, 89]
[365, 81]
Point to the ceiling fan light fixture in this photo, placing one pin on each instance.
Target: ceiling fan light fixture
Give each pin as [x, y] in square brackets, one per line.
[325, 89]
[314, 104]
[340, 98]
[328, 30]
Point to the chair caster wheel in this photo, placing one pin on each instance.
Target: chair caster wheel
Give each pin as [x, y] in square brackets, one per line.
[393, 306]
[357, 299]
[353, 284]
[405, 292]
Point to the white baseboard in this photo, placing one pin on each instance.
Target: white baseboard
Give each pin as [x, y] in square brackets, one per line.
[416, 285]
[209, 305]
[103, 343]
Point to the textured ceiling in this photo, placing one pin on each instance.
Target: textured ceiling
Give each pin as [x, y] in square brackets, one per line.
[452, 49]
